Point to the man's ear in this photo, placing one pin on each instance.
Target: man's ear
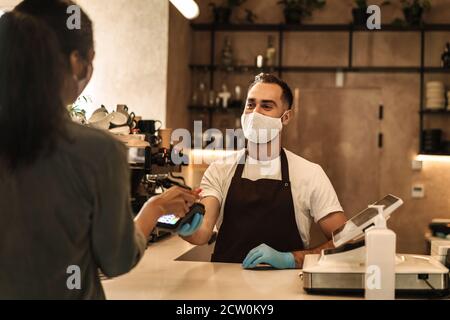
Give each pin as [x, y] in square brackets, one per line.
[77, 65]
[288, 115]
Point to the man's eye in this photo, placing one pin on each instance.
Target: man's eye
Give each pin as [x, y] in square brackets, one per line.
[250, 105]
[266, 106]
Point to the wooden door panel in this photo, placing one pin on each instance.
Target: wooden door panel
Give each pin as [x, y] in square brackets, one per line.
[338, 129]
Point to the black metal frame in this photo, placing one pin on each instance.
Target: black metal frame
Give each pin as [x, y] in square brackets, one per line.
[315, 27]
[212, 67]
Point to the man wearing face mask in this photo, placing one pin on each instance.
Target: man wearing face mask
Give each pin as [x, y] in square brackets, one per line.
[264, 200]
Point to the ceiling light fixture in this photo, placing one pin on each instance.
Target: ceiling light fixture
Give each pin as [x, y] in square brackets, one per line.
[188, 8]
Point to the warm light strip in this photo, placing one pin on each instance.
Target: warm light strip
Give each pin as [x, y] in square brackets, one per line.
[188, 8]
[430, 158]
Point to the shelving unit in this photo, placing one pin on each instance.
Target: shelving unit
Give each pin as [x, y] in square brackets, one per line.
[318, 69]
[437, 112]
[281, 29]
[314, 27]
[213, 109]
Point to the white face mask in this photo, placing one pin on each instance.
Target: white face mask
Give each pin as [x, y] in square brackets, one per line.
[259, 128]
[82, 84]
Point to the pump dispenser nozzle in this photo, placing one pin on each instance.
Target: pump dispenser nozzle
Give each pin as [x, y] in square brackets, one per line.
[380, 221]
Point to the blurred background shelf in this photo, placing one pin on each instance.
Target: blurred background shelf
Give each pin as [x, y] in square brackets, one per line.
[314, 69]
[315, 27]
[436, 112]
[426, 153]
[421, 69]
[215, 109]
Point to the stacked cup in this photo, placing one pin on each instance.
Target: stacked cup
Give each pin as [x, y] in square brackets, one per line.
[435, 95]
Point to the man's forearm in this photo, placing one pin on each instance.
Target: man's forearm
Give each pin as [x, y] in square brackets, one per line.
[299, 256]
[205, 232]
[199, 238]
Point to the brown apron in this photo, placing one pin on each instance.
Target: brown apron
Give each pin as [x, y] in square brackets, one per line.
[257, 212]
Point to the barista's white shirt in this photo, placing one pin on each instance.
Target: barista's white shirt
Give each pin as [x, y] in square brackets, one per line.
[313, 194]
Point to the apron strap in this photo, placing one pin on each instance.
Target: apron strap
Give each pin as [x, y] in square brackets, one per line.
[284, 166]
[240, 166]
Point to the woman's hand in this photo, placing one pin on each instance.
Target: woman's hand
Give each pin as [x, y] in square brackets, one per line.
[175, 201]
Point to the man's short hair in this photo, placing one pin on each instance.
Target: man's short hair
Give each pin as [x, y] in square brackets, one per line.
[286, 96]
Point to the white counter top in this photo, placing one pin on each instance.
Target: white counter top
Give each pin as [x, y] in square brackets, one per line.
[159, 277]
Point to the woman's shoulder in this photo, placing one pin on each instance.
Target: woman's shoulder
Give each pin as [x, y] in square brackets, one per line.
[92, 144]
[82, 132]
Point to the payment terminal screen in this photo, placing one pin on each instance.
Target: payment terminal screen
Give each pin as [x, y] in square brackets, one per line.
[387, 202]
[362, 218]
[169, 219]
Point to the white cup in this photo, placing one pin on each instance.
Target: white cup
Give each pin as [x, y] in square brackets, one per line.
[119, 119]
[100, 121]
[122, 131]
[101, 110]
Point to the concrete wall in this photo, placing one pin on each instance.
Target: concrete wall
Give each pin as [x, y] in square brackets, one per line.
[131, 44]
[7, 4]
[398, 92]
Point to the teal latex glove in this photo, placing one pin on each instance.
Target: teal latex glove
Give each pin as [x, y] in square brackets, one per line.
[189, 229]
[267, 255]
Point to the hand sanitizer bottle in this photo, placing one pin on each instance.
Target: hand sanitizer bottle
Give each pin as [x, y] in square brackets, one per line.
[380, 260]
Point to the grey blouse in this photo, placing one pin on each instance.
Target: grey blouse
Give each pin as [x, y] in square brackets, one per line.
[66, 216]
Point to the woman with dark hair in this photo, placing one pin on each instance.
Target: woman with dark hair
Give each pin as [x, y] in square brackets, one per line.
[64, 189]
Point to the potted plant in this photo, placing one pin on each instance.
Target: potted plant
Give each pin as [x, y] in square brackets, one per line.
[359, 12]
[77, 114]
[222, 13]
[77, 110]
[296, 10]
[413, 10]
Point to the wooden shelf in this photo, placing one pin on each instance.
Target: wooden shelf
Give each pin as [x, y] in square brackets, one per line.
[435, 153]
[213, 109]
[436, 70]
[269, 27]
[315, 28]
[439, 111]
[320, 69]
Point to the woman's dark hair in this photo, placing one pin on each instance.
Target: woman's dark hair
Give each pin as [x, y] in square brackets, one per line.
[31, 79]
[56, 13]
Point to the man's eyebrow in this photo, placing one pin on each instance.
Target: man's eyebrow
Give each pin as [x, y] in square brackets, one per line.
[269, 101]
[262, 101]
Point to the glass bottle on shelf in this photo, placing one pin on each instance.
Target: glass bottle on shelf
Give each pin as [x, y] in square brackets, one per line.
[259, 61]
[237, 101]
[446, 56]
[224, 96]
[195, 98]
[227, 55]
[212, 99]
[202, 96]
[271, 53]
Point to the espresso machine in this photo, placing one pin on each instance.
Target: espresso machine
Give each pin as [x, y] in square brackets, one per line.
[152, 172]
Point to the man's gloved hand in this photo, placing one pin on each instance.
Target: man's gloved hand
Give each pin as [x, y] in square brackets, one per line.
[265, 254]
[189, 229]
